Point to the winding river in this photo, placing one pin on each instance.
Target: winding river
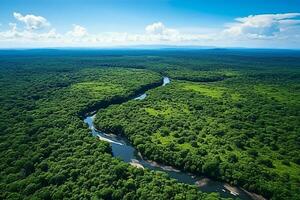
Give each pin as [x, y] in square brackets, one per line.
[122, 149]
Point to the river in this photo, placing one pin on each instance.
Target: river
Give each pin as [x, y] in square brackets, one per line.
[121, 148]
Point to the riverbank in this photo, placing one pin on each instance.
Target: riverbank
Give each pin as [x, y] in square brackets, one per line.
[117, 99]
[128, 153]
[202, 182]
[164, 167]
[136, 163]
[254, 196]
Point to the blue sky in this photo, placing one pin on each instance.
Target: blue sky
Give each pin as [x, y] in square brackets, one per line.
[100, 23]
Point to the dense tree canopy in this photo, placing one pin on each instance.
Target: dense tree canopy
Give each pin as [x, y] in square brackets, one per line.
[243, 128]
[47, 151]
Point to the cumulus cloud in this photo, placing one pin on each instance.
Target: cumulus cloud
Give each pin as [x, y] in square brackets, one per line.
[158, 28]
[78, 31]
[253, 30]
[263, 26]
[13, 34]
[32, 22]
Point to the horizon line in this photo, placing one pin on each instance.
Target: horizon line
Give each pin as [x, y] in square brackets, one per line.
[147, 47]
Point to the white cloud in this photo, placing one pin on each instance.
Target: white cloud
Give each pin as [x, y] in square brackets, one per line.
[158, 28]
[78, 31]
[32, 22]
[11, 33]
[14, 34]
[262, 26]
[267, 30]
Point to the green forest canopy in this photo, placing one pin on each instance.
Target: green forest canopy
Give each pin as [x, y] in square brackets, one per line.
[235, 116]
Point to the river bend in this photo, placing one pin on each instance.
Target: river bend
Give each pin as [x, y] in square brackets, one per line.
[121, 148]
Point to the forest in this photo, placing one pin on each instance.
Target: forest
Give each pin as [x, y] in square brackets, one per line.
[231, 115]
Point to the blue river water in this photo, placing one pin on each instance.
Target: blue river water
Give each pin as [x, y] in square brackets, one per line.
[121, 148]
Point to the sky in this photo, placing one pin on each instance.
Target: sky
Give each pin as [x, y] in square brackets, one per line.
[121, 23]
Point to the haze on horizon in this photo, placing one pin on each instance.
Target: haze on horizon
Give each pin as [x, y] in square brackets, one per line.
[103, 23]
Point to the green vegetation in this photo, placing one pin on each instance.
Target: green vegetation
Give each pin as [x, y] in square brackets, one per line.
[243, 140]
[243, 130]
[47, 151]
[201, 76]
[206, 90]
[230, 115]
[288, 94]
